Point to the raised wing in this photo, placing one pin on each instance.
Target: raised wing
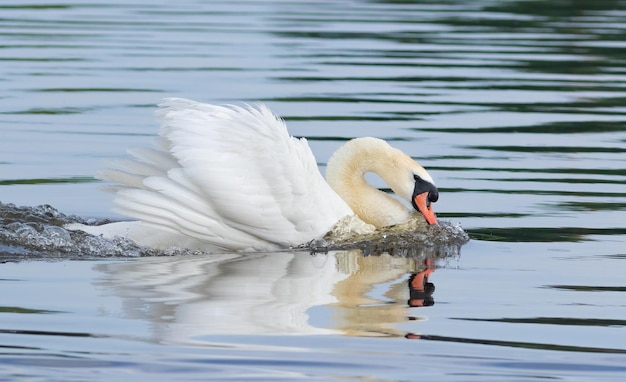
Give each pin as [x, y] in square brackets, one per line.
[227, 175]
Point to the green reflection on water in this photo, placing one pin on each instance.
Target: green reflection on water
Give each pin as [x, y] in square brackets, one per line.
[526, 345]
[578, 170]
[16, 309]
[43, 59]
[537, 192]
[482, 215]
[559, 180]
[36, 6]
[345, 118]
[586, 288]
[342, 139]
[591, 127]
[590, 206]
[76, 179]
[50, 111]
[554, 9]
[541, 234]
[551, 149]
[552, 321]
[99, 90]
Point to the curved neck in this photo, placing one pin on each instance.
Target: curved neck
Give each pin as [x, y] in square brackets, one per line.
[346, 171]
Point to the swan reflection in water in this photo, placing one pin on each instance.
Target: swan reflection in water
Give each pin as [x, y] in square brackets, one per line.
[274, 293]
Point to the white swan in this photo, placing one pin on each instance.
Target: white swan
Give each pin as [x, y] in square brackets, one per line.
[232, 178]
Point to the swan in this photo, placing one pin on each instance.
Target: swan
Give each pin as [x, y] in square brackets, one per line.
[225, 177]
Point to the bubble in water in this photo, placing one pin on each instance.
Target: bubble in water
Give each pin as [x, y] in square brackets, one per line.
[57, 236]
[319, 246]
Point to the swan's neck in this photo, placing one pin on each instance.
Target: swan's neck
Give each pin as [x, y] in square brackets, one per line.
[346, 171]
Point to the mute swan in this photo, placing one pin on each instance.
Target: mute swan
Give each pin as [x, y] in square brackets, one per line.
[232, 178]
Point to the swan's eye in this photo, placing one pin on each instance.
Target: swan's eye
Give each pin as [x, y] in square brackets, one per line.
[433, 195]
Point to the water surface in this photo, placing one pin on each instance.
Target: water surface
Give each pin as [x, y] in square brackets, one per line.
[516, 109]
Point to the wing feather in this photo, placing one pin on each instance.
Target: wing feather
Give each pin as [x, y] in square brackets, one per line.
[230, 176]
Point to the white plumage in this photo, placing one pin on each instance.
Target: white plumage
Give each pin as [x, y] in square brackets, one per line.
[229, 176]
[232, 178]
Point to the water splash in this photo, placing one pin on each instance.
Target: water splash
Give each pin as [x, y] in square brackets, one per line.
[412, 239]
[39, 233]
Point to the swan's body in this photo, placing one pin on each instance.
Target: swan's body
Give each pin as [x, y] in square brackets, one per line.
[227, 177]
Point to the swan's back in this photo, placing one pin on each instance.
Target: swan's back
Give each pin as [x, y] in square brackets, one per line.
[229, 176]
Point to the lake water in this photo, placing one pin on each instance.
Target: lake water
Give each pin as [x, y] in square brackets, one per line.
[517, 108]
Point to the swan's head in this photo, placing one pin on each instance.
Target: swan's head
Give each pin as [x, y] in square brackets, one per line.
[424, 194]
[409, 180]
[414, 184]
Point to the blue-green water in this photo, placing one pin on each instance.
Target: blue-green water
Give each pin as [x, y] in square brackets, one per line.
[516, 108]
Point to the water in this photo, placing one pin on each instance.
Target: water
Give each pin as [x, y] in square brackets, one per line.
[516, 109]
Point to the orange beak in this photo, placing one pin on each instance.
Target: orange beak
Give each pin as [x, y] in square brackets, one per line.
[425, 208]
